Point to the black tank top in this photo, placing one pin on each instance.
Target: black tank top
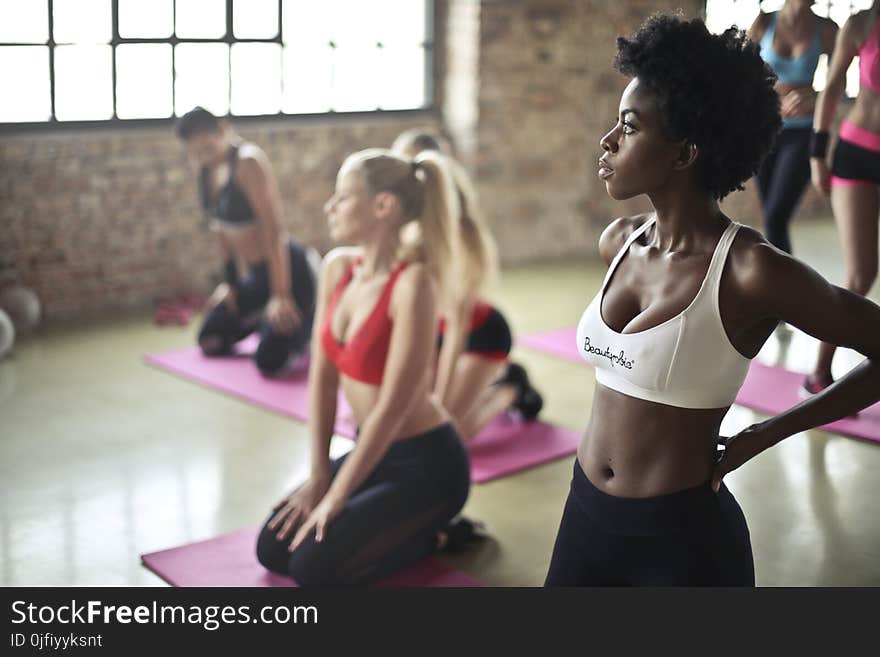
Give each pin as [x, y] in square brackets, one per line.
[230, 206]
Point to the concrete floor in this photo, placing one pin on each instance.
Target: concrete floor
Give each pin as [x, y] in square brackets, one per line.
[103, 458]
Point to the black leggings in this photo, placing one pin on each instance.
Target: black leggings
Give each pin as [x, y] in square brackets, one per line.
[222, 327]
[392, 521]
[782, 179]
[690, 538]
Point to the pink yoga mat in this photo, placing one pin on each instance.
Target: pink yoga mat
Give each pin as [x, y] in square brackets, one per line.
[768, 389]
[505, 446]
[230, 561]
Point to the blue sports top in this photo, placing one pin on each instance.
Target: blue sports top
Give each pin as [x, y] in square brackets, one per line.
[231, 205]
[793, 70]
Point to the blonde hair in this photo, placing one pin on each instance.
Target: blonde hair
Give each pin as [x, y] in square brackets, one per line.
[428, 204]
[479, 255]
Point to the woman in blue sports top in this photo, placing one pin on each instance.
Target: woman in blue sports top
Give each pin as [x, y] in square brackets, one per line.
[686, 304]
[791, 41]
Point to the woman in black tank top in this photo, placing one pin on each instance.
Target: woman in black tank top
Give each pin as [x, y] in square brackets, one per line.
[269, 279]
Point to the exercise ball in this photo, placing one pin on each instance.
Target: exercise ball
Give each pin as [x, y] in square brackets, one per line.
[7, 334]
[22, 305]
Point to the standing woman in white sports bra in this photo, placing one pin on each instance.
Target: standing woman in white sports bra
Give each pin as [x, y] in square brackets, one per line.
[690, 297]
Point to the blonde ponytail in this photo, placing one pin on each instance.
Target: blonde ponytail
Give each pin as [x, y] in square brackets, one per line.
[479, 253]
[428, 204]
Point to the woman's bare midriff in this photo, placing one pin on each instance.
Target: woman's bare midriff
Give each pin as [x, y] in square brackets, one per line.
[637, 448]
[427, 414]
[245, 242]
[865, 112]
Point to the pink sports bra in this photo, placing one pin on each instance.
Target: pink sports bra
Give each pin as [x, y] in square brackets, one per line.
[869, 61]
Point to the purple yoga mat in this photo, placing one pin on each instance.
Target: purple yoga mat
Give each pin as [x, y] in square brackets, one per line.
[230, 561]
[768, 389]
[505, 446]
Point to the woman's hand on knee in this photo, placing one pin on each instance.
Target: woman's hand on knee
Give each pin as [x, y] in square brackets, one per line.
[319, 520]
[283, 314]
[298, 506]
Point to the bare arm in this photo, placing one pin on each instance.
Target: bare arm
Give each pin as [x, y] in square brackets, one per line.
[255, 176]
[457, 322]
[801, 297]
[833, 315]
[323, 389]
[323, 375]
[758, 27]
[846, 47]
[413, 310]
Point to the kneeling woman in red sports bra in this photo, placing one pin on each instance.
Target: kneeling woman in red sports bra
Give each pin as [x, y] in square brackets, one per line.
[384, 504]
[475, 380]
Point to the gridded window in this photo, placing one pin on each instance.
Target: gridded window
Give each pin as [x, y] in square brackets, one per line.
[107, 60]
[721, 14]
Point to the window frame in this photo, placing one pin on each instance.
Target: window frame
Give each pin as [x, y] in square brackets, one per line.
[53, 124]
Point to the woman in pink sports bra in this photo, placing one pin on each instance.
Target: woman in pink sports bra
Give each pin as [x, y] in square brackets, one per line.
[389, 502]
[854, 177]
[690, 297]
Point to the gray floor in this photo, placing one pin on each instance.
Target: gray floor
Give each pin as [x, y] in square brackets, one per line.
[103, 458]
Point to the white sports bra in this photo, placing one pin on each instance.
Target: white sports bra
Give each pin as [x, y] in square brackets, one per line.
[686, 361]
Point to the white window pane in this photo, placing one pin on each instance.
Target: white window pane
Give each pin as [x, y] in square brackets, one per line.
[255, 19]
[400, 21]
[721, 14]
[83, 83]
[143, 81]
[354, 80]
[401, 79]
[307, 77]
[82, 21]
[200, 19]
[256, 78]
[24, 21]
[202, 77]
[357, 23]
[25, 69]
[852, 79]
[138, 18]
[308, 22]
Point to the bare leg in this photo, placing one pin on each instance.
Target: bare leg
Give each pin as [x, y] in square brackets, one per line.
[495, 400]
[855, 210]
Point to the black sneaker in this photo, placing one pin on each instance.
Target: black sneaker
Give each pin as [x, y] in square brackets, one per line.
[528, 401]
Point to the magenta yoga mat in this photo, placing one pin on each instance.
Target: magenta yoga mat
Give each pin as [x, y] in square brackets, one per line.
[767, 388]
[507, 445]
[230, 561]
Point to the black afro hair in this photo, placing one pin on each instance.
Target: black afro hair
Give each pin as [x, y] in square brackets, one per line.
[713, 90]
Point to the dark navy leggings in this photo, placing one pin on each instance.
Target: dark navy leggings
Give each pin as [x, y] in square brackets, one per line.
[222, 327]
[693, 537]
[781, 182]
[392, 521]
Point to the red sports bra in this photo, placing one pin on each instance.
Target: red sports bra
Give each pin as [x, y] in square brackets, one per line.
[363, 356]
